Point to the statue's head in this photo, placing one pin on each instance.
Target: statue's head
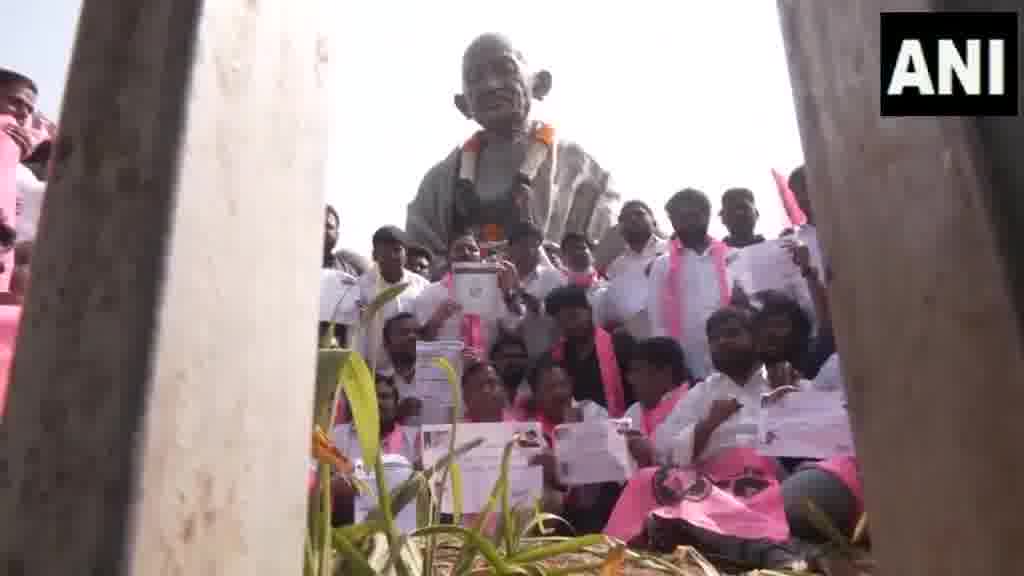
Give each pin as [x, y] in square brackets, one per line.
[497, 85]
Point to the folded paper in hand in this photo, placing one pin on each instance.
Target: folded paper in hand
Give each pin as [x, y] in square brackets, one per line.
[593, 452]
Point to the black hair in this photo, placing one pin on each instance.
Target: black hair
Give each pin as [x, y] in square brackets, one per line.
[524, 230]
[577, 237]
[774, 303]
[390, 322]
[417, 250]
[687, 195]
[797, 181]
[743, 315]
[638, 204]
[8, 77]
[744, 194]
[662, 352]
[568, 296]
[332, 212]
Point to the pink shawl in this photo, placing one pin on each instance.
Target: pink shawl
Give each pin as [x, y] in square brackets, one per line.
[673, 301]
[611, 377]
[10, 318]
[655, 416]
[472, 335]
[10, 157]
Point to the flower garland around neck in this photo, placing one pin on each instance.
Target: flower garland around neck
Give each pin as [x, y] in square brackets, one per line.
[541, 145]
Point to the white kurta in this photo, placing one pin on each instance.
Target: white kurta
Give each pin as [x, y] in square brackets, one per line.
[29, 203]
[699, 295]
[675, 442]
[437, 293]
[627, 297]
[371, 335]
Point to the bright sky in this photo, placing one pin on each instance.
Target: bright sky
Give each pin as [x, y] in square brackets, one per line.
[663, 94]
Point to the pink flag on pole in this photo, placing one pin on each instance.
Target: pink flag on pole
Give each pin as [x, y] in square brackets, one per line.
[795, 215]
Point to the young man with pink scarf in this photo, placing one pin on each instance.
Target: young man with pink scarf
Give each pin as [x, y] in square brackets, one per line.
[691, 281]
[439, 313]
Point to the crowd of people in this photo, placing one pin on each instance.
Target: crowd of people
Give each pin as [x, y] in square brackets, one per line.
[604, 316]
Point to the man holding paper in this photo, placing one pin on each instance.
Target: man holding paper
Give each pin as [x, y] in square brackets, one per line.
[472, 302]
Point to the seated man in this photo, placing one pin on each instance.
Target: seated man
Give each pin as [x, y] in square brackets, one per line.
[514, 169]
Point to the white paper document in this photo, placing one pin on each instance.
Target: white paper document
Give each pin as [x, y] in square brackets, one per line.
[480, 468]
[593, 452]
[431, 382]
[808, 423]
[476, 288]
[767, 266]
[396, 471]
[339, 298]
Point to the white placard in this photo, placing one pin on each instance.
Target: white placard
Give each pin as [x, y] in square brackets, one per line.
[397, 470]
[339, 297]
[767, 266]
[808, 423]
[431, 382]
[480, 468]
[593, 452]
[476, 288]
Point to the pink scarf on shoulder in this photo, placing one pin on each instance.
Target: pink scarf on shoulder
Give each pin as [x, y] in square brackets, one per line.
[673, 302]
[472, 334]
[655, 416]
[611, 376]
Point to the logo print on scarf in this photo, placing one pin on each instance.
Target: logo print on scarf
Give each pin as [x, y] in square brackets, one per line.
[746, 484]
[672, 485]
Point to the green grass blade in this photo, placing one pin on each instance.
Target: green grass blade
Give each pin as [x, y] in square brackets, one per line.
[537, 522]
[469, 537]
[328, 385]
[383, 297]
[568, 546]
[361, 391]
[456, 475]
[355, 561]
[308, 559]
[325, 520]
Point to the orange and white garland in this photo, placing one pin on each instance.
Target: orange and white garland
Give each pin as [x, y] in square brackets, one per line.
[542, 144]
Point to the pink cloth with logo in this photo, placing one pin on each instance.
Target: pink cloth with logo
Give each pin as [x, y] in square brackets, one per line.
[10, 319]
[848, 471]
[673, 302]
[741, 497]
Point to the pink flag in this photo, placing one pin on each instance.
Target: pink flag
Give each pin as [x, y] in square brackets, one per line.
[795, 215]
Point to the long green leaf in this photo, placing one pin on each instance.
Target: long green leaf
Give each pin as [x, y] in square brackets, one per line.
[384, 503]
[361, 391]
[328, 385]
[537, 522]
[569, 546]
[489, 552]
[355, 561]
[325, 527]
[383, 297]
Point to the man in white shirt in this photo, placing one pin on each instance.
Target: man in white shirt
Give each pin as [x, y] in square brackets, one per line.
[722, 411]
[626, 299]
[698, 277]
[389, 245]
[440, 315]
[538, 277]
